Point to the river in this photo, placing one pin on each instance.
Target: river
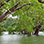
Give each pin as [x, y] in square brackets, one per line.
[20, 39]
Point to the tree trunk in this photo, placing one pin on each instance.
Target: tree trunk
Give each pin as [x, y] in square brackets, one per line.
[37, 30]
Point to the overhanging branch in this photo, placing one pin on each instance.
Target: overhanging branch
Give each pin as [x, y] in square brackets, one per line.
[5, 15]
[23, 6]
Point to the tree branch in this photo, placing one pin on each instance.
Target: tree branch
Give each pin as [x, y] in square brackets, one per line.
[22, 6]
[41, 1]
[5, 15]
[1, 4]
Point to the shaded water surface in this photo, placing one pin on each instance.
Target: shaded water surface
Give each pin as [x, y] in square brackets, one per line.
[21, 39]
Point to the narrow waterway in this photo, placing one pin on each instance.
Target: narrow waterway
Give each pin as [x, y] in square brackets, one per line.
[10, 39]
[20, 39]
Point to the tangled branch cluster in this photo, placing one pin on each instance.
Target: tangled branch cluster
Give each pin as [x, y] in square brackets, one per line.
[5, 15]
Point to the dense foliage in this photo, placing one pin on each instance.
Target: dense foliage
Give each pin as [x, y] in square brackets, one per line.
[29, 15]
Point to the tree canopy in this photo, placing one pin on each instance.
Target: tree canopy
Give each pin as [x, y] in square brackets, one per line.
[31, 13]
